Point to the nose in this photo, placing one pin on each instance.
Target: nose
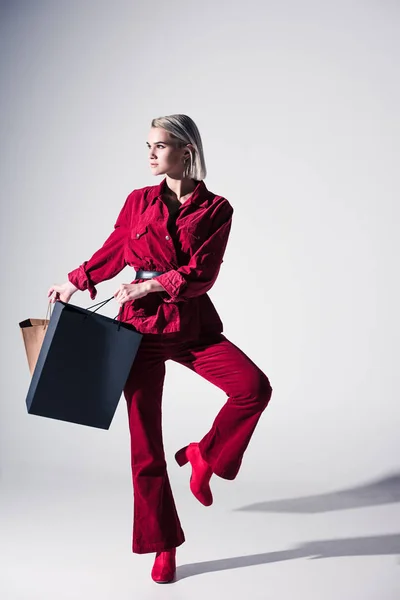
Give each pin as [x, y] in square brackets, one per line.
[151, 154]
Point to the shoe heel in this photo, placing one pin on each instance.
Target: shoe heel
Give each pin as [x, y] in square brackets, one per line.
[181, 457]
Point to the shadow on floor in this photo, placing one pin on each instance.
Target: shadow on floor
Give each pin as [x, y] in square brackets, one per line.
[361, 546]
[382, 491]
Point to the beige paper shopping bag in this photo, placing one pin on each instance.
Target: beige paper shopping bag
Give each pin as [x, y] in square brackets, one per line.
[33, 332]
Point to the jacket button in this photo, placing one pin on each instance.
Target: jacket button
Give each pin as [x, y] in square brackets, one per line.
[138, 235]
[167, 237]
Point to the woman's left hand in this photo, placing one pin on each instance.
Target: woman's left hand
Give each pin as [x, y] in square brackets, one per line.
[131, 291]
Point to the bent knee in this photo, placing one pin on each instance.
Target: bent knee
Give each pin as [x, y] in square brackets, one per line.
[265, 389]
[256, 387]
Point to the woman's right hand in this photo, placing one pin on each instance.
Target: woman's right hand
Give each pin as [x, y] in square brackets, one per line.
[61, 292]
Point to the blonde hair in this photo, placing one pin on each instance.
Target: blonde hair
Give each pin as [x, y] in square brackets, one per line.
[184, 129]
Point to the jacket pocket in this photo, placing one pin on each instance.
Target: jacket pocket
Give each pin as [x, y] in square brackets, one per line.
[138, 231]
[197, 232]
[138, 244]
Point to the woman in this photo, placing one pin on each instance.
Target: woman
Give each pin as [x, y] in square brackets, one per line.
[174, 235]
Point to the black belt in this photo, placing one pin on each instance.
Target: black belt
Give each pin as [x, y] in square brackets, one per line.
[147, 274]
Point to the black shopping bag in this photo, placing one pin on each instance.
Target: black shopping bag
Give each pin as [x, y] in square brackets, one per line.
[82, 367]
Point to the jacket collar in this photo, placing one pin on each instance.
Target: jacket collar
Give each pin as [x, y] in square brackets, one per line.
[199, 196]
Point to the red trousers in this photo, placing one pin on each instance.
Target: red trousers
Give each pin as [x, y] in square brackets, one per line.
[156, 524]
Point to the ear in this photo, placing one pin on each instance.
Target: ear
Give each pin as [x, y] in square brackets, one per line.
[188, 147]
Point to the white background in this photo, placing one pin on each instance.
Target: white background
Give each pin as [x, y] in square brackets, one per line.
[297, 104]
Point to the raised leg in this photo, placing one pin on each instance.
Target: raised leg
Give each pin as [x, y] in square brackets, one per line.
[248, 389]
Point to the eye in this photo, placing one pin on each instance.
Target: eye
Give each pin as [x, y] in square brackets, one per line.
[157, 146]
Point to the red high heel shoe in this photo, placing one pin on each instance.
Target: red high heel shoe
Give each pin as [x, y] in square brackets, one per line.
[201, 472]
[164, 567]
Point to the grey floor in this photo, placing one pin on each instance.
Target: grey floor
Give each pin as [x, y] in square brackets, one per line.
[68, 537]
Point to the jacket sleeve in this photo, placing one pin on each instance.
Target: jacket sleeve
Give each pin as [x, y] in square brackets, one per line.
[200, 274]
[106, 262]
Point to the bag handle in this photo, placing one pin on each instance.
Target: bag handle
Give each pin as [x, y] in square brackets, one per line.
[100, 304]
[118, 315]
[48, 315]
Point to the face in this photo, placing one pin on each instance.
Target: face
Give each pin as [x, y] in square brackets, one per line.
[165, 154]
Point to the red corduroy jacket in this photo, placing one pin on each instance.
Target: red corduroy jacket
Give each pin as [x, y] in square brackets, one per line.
[189, 246]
